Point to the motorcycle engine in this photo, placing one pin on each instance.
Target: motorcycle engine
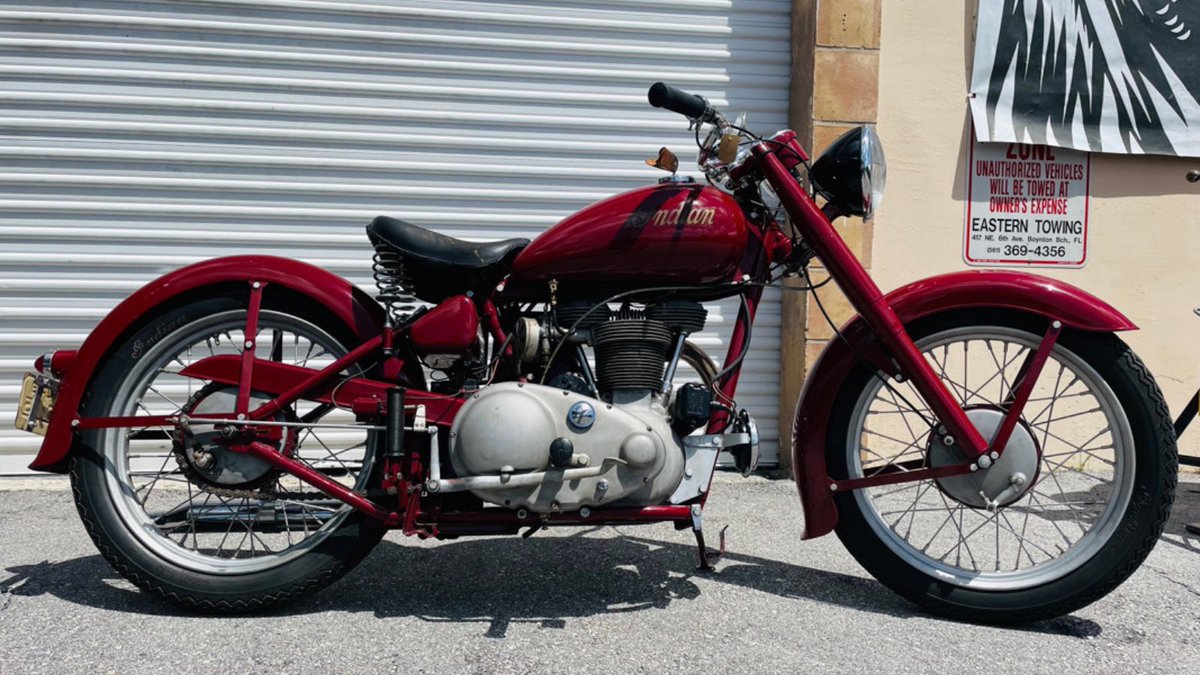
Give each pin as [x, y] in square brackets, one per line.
[626, 436]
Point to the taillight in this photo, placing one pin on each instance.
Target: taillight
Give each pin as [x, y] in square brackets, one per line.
[55, 364]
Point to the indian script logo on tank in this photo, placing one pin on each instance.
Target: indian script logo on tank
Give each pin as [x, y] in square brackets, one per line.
[696, 215]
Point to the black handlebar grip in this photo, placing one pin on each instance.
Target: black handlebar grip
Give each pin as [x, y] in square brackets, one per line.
[663, 95]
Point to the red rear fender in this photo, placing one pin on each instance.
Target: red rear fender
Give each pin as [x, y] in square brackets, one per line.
[345, 301]
[1018, 291]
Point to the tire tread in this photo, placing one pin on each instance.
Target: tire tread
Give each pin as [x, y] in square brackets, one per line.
[250, 603]
[1158, 418]
[279, 588]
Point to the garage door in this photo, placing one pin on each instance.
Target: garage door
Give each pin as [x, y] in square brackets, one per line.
[137, 137]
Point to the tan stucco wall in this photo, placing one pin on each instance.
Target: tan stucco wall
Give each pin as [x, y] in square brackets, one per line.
[1144, 239]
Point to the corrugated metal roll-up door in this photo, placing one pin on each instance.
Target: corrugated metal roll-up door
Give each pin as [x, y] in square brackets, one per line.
[137, 137]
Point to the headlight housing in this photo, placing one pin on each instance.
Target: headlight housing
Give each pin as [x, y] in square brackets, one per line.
[852, 172]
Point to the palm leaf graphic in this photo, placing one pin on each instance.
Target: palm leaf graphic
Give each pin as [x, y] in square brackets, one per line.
[1112, 75]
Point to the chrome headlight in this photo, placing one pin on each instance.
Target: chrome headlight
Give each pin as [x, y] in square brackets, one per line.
[852, 172]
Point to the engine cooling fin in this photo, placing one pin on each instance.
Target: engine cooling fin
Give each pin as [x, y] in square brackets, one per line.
[631, 353]
[685, 316]
[568, 314]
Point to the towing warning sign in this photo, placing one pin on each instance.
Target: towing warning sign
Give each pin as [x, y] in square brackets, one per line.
[1027, 205]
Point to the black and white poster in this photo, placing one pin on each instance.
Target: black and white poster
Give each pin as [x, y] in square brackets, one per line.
[1120, 76]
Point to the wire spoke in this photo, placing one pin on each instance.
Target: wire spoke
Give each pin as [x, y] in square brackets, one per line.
[1079, 446]
[920, 493]
[966, 370]
[941, 366]
[255, 522]
[1062, 492]
[310, 505]
[949, 517]
[986, 521]
[1008, 527]
[904, 418]
[961, 544]
[1033, 497]
[162, 471]
[1058, 395]
[975, 393]
[1063, 396]
[329, 452]
[904, 487]
[168, 399]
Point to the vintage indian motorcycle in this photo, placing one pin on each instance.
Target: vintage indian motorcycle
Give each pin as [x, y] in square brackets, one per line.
[244, 430]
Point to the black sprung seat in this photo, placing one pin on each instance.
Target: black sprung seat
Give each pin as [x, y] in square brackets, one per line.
[433, 267]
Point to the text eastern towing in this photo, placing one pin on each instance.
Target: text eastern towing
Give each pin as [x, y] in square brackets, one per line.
[1018, 226]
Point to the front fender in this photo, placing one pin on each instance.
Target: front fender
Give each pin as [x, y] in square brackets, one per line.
[347, 302]
[1019, 291]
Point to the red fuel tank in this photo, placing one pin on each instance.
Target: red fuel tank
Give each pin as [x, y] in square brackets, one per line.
[668, 233]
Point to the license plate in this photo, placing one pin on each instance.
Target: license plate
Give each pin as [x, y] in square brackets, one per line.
[36, 402]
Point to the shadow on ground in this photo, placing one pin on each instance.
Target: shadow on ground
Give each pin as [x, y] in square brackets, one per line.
[1186, 510]
[500, 582]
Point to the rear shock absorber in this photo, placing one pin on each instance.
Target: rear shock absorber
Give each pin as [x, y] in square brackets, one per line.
[393, 453]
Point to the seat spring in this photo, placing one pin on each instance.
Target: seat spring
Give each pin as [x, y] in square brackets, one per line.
[388, 267]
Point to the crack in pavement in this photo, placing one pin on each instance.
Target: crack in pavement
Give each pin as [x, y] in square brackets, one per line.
[1166, 575]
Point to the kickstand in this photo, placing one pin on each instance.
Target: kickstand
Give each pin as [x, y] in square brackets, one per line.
[707, 555]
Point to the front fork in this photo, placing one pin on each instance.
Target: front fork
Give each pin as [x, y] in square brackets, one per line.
[866, 297]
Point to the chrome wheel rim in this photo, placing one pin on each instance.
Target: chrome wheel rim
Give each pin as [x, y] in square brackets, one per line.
[191, 525]
[1083, 488]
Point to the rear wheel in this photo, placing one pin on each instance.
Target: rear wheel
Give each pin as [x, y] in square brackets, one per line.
[177, 513]
[1071, 509]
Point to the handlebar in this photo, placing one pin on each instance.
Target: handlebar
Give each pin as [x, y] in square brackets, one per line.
[662, 95]
[719, 151]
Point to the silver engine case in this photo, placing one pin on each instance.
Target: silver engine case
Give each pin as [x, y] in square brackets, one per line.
[506, 430]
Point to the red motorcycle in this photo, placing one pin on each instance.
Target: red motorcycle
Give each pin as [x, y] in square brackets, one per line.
[244, 430]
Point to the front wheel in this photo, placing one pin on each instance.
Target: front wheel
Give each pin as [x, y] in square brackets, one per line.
[1074, 505]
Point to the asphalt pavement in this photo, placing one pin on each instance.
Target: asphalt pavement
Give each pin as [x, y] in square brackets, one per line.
[607, 600]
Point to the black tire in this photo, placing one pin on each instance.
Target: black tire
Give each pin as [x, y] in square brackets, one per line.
[310, 571]
[1153, 486]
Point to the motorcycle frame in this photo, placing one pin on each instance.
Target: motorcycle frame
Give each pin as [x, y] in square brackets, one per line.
[893, 351]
